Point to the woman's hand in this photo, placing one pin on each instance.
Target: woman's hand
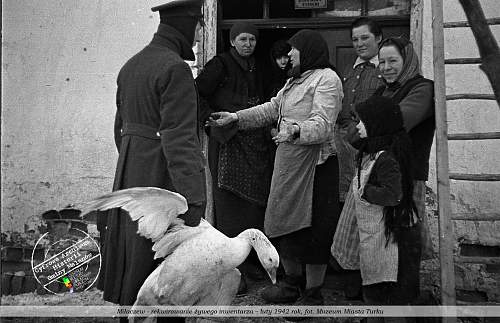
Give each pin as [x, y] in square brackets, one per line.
[220, 119]
[287, 133]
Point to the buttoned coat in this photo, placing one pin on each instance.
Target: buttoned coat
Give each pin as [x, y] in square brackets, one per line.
[156, 134]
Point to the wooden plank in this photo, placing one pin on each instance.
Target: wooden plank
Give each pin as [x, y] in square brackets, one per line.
[209, 48]
[474, 136]
[209, 41]
[265, 9]
[470, 60]
[455, 24]
[470, 96]
[459, 302]
[478, 260]
[476, 217]
[448, 294]
[416, 26]
[316, 23]
[475, 177]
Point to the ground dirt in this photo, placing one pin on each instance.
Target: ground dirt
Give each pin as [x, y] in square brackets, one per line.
[332, 292]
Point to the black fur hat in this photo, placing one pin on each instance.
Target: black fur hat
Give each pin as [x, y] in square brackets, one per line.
[380, 115]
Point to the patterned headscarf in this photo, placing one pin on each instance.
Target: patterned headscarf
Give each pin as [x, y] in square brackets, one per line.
[411, 66]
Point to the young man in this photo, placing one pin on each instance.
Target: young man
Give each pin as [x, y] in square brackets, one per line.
[156, 134]
[360, 82]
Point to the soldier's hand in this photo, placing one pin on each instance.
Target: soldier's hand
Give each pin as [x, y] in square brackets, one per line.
[220, 119]
[194, 214]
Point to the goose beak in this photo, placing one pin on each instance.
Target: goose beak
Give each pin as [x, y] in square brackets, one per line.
[272, 274]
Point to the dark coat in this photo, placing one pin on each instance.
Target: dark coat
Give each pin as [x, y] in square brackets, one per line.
[416, 101]
[240, 160]
[156, 133]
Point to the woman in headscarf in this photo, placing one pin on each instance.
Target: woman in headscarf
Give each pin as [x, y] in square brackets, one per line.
[302, 209]
[240, 161]
[399, 65]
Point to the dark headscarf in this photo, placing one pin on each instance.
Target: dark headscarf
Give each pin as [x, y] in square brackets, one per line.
[243, 27]
[410, 59]
[384, 127]
[313, 50]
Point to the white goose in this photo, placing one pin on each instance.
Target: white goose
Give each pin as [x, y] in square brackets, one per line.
[200, 262]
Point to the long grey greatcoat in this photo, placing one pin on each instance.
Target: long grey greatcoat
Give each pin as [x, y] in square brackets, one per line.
[156, 134]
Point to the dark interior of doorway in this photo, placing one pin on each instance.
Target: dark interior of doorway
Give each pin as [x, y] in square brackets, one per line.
[338, 39]
[266, 38]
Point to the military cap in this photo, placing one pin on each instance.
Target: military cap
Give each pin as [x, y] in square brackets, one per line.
[180, 8]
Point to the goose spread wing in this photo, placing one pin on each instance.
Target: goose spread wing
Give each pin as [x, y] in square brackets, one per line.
[177, 235]
[153, 208]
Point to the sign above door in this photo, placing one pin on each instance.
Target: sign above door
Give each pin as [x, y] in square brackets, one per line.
[310, 4]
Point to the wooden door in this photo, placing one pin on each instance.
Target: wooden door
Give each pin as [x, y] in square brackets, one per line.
[340, 45]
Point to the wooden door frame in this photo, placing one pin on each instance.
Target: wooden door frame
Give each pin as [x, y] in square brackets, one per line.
[209, 47]
[211, 29]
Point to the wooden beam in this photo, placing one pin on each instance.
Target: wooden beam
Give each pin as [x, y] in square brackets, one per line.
[478, 260]
[470, 96]
[475, 177]
[416, 26]
[448, 294]
[458, 24]
[319, 22]
[209, 42]
[486, 43]
[462, 61]
[265, 9]
[474, 136]
[209, 48]
[476, 217]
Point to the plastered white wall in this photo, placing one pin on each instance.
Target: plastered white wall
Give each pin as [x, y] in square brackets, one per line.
[474, 157]
[466, 116]
[59, 66]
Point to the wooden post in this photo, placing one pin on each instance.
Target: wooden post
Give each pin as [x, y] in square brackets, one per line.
[209, 43]
[416, 23]
[265, 9]
[443, 182]
[209, 49]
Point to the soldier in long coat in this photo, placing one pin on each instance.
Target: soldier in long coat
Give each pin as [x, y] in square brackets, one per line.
[156, 134]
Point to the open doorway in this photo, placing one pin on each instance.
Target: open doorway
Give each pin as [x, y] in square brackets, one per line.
[338, 39]
[280, 19]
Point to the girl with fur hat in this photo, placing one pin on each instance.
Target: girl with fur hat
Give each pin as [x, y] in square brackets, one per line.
[383, 194]
[302, 209]
[399, 65]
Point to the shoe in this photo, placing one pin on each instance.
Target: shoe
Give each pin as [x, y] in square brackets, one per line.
[285, 291]
[310, 297]
[353, 293]
[243, 287]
